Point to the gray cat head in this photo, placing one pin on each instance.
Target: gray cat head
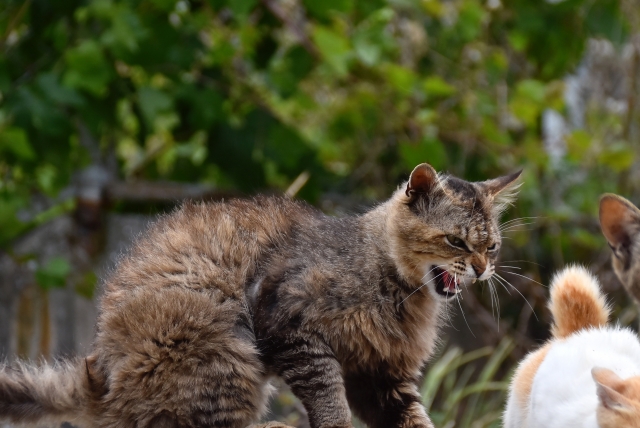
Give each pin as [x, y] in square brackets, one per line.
[445, 230]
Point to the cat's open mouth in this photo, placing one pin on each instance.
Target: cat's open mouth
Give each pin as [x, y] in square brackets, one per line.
[447, 285]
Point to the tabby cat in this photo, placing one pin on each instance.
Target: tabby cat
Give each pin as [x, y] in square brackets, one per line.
[216, 298]
[588, 375]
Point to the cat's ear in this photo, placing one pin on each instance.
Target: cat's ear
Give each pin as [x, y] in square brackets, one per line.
[502, 190]
[504, 184]
[423, 180]
[619, 220]
[606, 384]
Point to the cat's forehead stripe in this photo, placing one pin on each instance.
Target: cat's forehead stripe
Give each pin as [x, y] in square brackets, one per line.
[462, 189]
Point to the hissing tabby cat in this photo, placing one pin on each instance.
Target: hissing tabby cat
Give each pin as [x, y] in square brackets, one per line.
[218, 297]
[588, 375]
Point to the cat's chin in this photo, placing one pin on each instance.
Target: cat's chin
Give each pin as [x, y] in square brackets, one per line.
[446, 286]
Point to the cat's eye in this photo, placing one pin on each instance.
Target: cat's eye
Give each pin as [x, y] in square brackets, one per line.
[454, 241]
[493, 247]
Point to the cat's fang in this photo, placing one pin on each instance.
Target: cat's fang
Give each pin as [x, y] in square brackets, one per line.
[453, 289]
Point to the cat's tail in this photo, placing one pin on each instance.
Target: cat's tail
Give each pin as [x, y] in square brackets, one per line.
[576, 303]
[45, 394]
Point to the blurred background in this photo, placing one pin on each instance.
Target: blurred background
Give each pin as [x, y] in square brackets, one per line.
[114, 111]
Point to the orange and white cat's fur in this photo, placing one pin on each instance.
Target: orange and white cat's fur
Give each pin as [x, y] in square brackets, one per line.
[587, 375]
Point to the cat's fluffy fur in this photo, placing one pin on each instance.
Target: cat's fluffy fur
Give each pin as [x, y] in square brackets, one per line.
[588, 375]
[215, 298]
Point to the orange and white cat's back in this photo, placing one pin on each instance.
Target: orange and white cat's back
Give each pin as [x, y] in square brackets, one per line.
[555, 387]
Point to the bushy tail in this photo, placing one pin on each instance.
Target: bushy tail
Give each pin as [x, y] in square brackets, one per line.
[41, 394]
[576, 302]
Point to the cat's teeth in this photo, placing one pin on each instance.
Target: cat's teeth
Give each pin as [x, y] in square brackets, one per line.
[453, 289]
[473, 281]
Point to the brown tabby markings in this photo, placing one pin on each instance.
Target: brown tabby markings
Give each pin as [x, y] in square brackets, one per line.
[216, 298]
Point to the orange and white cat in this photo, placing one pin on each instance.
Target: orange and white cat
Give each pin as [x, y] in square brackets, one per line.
[587, 375]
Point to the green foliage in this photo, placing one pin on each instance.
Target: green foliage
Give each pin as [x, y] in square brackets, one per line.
[249, 94]
[467, 387]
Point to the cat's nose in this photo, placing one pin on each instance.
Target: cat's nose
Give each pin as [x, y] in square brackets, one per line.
[479, 270]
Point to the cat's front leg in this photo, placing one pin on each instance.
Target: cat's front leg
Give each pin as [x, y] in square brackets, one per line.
[309, 367]
[382, 401]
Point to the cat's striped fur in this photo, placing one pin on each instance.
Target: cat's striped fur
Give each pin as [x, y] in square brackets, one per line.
[215, 298]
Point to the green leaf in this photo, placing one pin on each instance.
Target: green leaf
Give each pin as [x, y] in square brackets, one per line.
[46, 177]
[491, 132]
[578, 142]
[87, 68]
[434, 8]
[165, 5]
[531, 89]
[324, 8]
[436, 86]
[14, 140]
[470, 20]
[370, 39]
[429, 150]
[126, 32]
[11, 226]
[241, 8]
[517, 40]
[53, 274]
[333, 47]
[152, 102]
[402, 78]
[50, 85]
[86, 287]
[617, 156]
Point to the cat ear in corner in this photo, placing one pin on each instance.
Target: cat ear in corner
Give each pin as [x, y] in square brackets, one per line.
[423, 179]
[502, 184]
[619, 219]
[606, 384]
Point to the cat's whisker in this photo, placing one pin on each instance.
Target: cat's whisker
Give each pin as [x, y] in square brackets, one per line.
[514, 225]
[498, 277]
[525, 277]
[417, 266]
[519, 228]
[463, 316]
[496, 299]
[504, 232]
[495, 293]
[510, 228]
[520, 218]
[493, 309]
[502, 284]
[520, 221]
[419, 288]
[522, 261]
[503, 225]
[448, 316]
[514, 220]
[506, 266]
[465, 285]
[434, 268]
